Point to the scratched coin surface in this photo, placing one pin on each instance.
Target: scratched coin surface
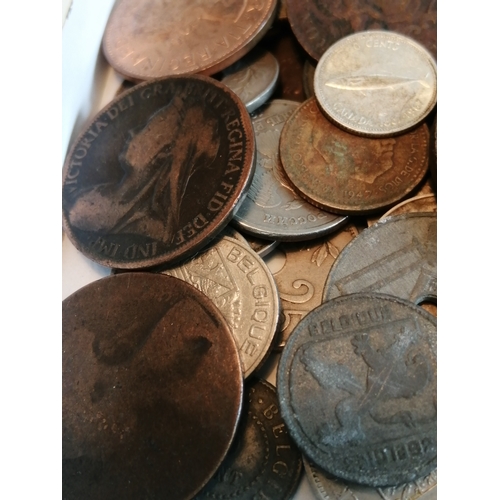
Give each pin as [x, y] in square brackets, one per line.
[357, 389]
[152, 389]
[157, 38]
[158, 172]
[376, 83]
[349, 174]
[327, 487]
[318, 24]
[239, 283]
[271, 209]
[263, 461]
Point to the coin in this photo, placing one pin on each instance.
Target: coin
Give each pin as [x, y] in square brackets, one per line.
[318, 24]
[152, 389]
[423, 203]
[253, 78]
[239, 283]
[357, 389]
[153, 39]
[263, 461]
[376, 83]
[308, 78]
[158, 172]
[349, 174]
[271, 209]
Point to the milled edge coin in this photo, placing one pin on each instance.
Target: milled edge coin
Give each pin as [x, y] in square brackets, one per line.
[158, 172]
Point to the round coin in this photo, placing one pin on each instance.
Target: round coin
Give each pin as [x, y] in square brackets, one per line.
[346, 173]
[263, 461]
[271, 209]
[158, 172]
[376, 83]
[152, 389]
[357, 389]
[152, 39]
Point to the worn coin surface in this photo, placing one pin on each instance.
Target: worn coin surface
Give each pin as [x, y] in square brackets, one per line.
[357, 389]
[158, 172]
[271, 209]
[157, 38]
[318, 24]
[395, 256]
[376, 83]
[345, 173]
[263, 461]
[328, 487]
[239, 283]
[151, 389]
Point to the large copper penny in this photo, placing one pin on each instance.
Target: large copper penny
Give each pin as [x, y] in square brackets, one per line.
[158, 172]
[317, 24]
[349, 174]
[156, 38]
[152, 389]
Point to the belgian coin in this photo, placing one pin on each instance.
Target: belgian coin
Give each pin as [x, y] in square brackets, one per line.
[328, 487]
[318, 24]
[376, 83]
[271, 209]
[263, 461]
[346, 173]
[395, 256]
[357, 389]
[302, 279]
[152, 389]
[153, 39]
[239, 283]
[253, 78]
[158, 172]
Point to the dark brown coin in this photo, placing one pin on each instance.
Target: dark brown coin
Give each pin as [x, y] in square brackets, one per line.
[318, 24]
[152, 389]
[348, 174]
[158, 172]
[263, 461]
[357, 389]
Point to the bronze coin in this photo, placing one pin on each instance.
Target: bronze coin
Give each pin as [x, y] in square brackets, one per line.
[318, 24]
[151, 392]
[348, 174]
[158, 172]
[153, 39]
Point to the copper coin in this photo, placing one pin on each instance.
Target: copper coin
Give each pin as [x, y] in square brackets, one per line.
[158, 172]
[348, 174]
[152, 389]
[318, 24]
[153, 38]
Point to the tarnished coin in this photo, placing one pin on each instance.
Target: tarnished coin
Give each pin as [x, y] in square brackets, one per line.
[271, 209]
[151, 389]
[328, 487]
[253, 78]
[318, 24]
[263, 461]
[152, 39]
[346, 173]
[239, 283]
[395, 256]
[376, 83]
[357, 389]
[158, 172]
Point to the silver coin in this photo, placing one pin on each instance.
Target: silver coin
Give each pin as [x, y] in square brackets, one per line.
[396, 256]
[236, 279]
[376, 83]
[271, 209]
[253, 78]
[327, 487]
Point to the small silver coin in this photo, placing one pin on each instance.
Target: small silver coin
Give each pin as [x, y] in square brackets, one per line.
[253, 78]
[271, 209]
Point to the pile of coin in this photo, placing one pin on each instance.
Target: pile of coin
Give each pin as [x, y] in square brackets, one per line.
[274, 219]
